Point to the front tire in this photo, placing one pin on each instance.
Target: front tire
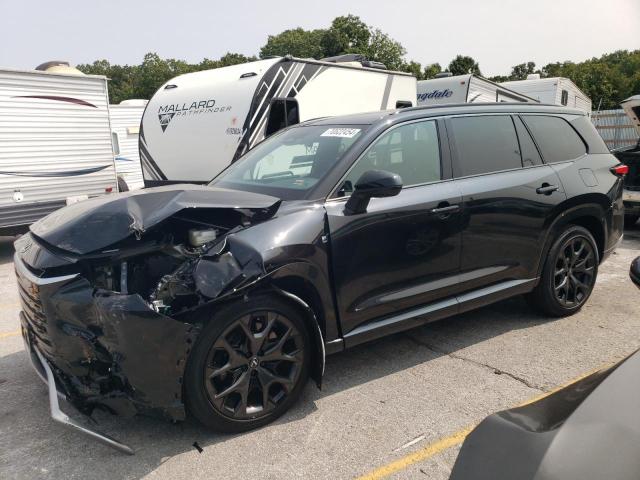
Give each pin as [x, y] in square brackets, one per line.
[569, 274]
[249, 365]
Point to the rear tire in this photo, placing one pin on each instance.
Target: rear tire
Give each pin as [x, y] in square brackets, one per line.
[568, 275]
[249, 365]
[630, 221]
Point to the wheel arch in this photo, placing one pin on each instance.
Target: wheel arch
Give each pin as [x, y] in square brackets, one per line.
[591, 216]
[298, 283]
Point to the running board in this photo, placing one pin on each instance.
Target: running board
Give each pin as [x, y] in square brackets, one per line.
[60, 417]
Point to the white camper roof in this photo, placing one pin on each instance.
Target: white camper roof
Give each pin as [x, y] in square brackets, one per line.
[50, 73]
[543, 81]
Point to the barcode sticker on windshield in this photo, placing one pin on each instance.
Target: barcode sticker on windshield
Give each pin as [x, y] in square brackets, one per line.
[341, 132]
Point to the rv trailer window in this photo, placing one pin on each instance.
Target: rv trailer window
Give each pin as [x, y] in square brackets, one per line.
[116, 143]
[404, 104]
[283, 112]
[564, 99]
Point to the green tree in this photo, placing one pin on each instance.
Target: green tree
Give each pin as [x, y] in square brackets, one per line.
[383, 48]
[520, 71]
[229, 59]
[414, 68]
[500, 78]
[346, 35]
[462, 65]
[430, 71]
[297, 42]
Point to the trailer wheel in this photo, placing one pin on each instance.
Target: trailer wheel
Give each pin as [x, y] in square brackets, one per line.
[122, 185]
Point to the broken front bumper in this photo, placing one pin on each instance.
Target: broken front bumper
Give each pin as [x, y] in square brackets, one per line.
[41, 366]
[105, 349]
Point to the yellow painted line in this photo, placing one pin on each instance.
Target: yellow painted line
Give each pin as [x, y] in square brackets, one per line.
[419, 456]
[457, 438]
[10, 334]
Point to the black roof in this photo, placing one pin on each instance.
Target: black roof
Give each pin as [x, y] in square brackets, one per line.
[369, 118]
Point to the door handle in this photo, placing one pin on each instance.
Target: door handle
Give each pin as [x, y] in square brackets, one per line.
[546, 189]
[445, 210]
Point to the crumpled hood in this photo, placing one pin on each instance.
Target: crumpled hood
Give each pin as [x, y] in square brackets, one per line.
[96, 223]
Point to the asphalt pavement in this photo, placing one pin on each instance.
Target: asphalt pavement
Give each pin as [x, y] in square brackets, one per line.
[396, 407]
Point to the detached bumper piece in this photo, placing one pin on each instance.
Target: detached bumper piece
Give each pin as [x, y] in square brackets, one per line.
[59, 416]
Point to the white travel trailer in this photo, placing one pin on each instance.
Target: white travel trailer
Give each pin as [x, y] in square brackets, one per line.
[198, 123]
[552, 91]
[125, 126]
[55, 142]
[445, 88]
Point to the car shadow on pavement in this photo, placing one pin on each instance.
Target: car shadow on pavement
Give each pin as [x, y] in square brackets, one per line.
[25, 407]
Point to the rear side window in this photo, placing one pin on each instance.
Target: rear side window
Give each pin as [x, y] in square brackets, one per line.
[557, 140]
[530, 155]
[485, 144]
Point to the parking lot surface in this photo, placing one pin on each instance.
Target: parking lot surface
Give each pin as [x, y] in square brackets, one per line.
[398, 406]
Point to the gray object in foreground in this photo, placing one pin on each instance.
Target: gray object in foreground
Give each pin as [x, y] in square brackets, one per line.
[588, 430]
[61, 417]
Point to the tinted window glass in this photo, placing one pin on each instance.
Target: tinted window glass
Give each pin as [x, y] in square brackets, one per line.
[530, 154]
[557, 140]
[412, 151]
[289, 163]
[485, 144]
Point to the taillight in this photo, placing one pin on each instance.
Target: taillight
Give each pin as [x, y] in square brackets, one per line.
[108, 189]
[620, 170]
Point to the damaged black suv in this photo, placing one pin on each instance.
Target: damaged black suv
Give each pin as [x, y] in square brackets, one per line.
[224, 298]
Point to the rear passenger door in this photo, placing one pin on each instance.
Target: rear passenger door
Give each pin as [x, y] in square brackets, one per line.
[508, 198]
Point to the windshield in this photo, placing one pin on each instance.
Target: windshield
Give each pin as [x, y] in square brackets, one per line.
[290, 163]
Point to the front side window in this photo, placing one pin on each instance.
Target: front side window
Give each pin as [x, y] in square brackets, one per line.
[290, 163]
[558, 141]
[411, 151]
[485, 144]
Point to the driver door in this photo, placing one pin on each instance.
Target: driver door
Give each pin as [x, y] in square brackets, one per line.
[394, 264]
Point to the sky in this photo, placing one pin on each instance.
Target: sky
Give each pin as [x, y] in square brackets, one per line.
[497, 33]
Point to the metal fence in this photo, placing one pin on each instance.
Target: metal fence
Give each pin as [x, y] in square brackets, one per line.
[615, 128]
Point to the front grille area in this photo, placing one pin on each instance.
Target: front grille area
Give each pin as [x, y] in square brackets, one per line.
[32, 308]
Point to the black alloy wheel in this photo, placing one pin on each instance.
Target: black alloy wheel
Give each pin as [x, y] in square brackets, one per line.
[574, 274]
[253, 366]
[249, 364]
[568, 275]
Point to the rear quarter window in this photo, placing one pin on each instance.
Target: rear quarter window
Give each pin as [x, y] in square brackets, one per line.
[556, 139]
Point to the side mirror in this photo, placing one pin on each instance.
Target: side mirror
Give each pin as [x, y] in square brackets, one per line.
[372, 184]
[634, 272]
